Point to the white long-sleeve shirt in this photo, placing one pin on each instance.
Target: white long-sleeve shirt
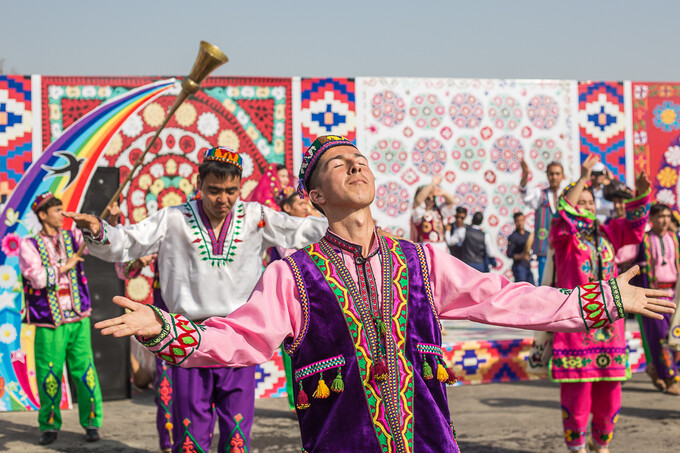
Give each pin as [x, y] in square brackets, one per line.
[202, 276]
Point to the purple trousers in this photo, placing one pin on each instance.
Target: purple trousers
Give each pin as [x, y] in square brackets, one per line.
[190, 399]
[655, 331]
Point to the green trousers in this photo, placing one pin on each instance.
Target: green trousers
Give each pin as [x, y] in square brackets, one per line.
[71, 343]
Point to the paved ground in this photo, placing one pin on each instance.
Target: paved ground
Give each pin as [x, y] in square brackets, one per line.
[492, 418]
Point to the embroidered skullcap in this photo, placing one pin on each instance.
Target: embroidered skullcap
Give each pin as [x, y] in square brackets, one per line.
[41, 200]
[285, 194]
[312, 156]
[224, 154]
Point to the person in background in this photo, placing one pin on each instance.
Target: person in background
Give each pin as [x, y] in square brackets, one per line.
[58, 303]
[618, 193]
[274, 180]
[519, 252]
[475, 249]
[459, 223]
[590, 366]
[544, 202]
[660, 258]
[428, 218]
[600, 179]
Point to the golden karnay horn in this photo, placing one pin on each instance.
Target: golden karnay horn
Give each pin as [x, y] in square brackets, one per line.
[209, 58]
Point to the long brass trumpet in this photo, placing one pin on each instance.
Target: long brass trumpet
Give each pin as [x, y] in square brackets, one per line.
[209, 58]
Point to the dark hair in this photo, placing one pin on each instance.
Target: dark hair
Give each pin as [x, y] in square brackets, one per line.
[554, 164]
[477, 218]
[48, 204]
[461, 210]
[221, 170]
[283, 200]
[658, 208]
[517, 214]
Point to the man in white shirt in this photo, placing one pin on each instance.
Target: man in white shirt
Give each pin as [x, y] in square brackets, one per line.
[544, 202]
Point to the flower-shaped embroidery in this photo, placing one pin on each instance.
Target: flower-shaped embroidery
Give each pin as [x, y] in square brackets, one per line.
[667, 177]
[603, 360]
[667, 116]
[672, 155]
[10, 244]
[573, 362]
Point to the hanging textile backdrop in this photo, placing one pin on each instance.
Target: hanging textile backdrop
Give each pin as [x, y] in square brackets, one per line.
[250, 115]
[471, 132]
[16, 130]
[656, 137]
[602, 124]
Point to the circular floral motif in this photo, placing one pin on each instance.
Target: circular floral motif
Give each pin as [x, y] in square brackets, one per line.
[426, 111]
[133, 126]
[229, 139]
[471, 196]
[468, 153]
[544, 151]
[672, 155]
[667, 177]
[506, 198]
[10, 244]
[466, 111]
[154, 114]
[186, 115]
[392, 198]
[8, 333]
[667, 116]
[8, 277]
[505, 112]
[676, 332]
[506, 154]
[603, 360]
[666, 197]
[138, 288]
[543, 111]
[428, 156]
[208, 124]
[389, 155]
[114, 146]
[388, 108]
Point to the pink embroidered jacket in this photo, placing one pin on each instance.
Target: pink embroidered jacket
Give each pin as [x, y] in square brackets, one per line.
[252, 333]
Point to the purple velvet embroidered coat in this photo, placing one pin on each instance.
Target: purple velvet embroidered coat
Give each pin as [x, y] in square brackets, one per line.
[405, 412]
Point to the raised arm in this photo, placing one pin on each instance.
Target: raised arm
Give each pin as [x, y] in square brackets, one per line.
[461, 292]
[248, 336]
[290, 232]
[630, 229]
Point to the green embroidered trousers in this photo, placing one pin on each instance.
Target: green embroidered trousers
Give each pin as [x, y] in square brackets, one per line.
[71, 343]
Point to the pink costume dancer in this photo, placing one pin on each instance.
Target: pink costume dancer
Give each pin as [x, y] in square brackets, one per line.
[590, 366]
[270, 184]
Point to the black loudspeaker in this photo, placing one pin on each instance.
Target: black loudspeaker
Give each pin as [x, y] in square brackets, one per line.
[111, 355]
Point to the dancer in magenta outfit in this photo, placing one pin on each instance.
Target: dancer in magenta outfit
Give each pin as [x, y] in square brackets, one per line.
[589, 366]
[360, 311]
[209, 260]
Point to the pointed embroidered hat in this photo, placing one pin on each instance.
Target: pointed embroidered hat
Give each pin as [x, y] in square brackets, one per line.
[224, 154]
[312, 156]
[41, 200]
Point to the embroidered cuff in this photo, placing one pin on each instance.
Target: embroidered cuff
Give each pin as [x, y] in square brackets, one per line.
[616, 296]
[185, 338]
[593, 305]
[101, 238]
[153, 343]
[425, 348]
[637, 209]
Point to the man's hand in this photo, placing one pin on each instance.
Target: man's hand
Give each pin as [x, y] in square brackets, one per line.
[114, 213]
[143, 261]
[86, 221]
[70, 264]
[141, 321]
[525, 173]
[642, 184]
[643, 301]
[587, 166]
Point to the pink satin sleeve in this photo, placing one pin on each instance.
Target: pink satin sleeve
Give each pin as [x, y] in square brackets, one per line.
[251, 334]
[461, 292]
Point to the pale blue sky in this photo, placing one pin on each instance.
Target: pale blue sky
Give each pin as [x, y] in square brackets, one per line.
[575, 39]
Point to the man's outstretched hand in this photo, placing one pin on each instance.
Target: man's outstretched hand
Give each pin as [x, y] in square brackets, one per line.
[86, 221]
[643, 301]
[141, 321]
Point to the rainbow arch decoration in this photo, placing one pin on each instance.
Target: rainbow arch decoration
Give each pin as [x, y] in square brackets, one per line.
[65, 168]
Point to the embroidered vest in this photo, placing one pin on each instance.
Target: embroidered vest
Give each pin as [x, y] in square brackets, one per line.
[648, 265]
[431, 227]
[380, 400]
[542, 220]
[42, 305]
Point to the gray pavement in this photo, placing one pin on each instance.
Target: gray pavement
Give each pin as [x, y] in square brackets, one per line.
[493, 418]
